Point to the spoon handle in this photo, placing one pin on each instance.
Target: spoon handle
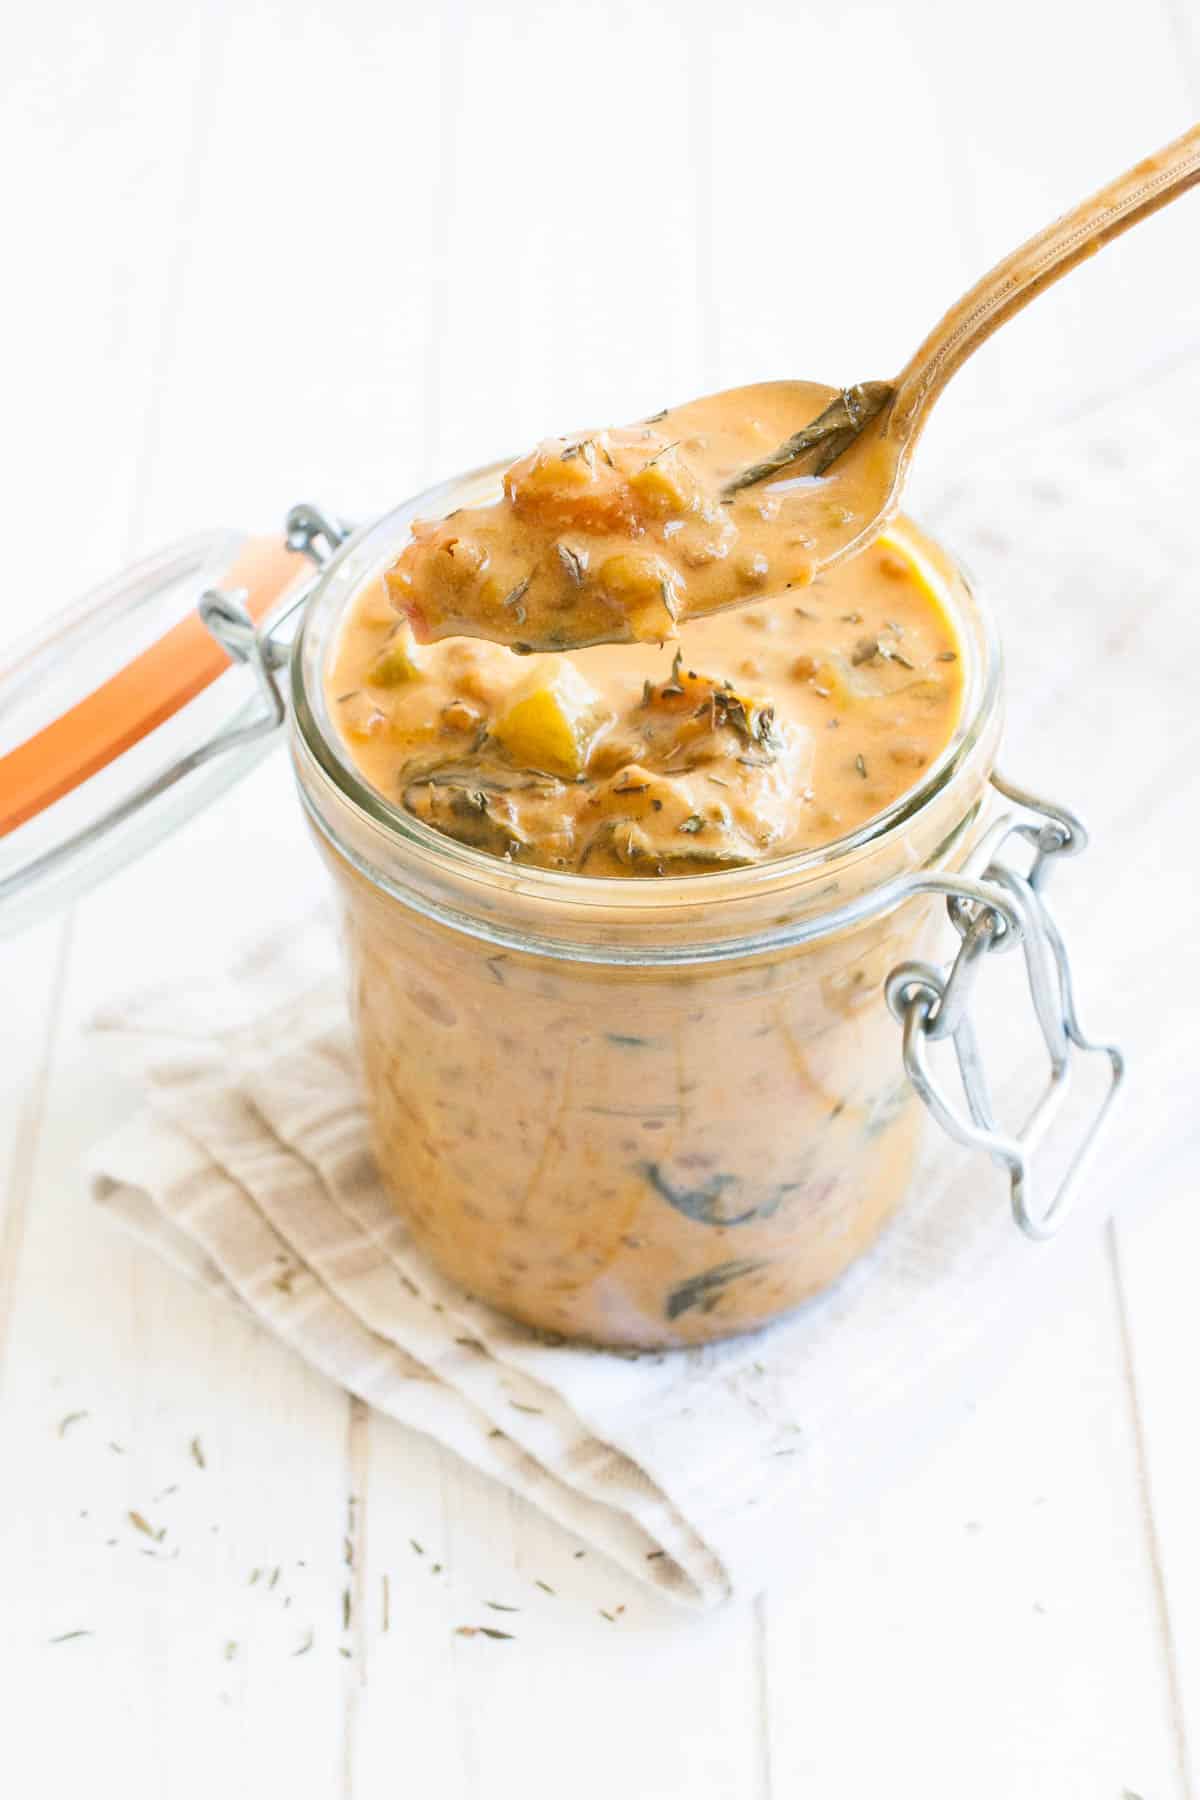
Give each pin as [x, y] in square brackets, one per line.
[1040, 261]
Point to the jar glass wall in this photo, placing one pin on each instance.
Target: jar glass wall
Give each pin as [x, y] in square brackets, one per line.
[637, 1112]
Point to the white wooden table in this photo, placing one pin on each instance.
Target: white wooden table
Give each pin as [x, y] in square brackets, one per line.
[261, 252]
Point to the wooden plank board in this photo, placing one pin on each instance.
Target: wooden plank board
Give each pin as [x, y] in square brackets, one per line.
[989, 1626]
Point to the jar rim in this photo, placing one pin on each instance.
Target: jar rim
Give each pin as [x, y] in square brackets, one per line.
[316, 738]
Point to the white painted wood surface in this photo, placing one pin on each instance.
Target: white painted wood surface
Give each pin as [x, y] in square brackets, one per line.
[262, 252]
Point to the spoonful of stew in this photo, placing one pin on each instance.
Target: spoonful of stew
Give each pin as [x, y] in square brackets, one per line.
[621, 534]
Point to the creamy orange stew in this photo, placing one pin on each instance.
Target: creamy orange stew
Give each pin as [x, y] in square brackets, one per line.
[769, 730]
[612, 535]
[560, 1137]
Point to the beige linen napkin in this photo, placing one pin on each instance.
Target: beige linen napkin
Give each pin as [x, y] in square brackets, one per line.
[698, 1470]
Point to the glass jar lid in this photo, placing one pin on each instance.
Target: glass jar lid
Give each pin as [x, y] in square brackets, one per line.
[128, 711]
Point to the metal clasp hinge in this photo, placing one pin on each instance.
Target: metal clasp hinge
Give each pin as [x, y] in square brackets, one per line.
[1001, 908]
[314, 533]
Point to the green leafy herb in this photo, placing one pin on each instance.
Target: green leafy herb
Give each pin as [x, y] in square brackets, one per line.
[825, 438]
[198, 1454]
[704, 1291]
[72, 1418]
[704, 1204]
[65, 1637]
[860, 765]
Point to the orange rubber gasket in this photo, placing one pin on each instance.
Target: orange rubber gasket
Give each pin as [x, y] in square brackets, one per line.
[138, 698]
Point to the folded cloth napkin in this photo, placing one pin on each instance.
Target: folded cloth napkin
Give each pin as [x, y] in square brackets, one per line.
[250, 1169]
[698, 1470]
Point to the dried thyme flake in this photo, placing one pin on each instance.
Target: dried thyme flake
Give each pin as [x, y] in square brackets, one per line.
[673, 445]
[860, 765]
[668, 599]
[521, 1407]
[572, 562]
[117, 1449]
[72, 1418]
[419, 1548]
[198, 1454]
[499, 1606]
[386, 1610]
[517, 594]
[144, 1526]
[347, 1608]
[255, 1575]
[611, 1617]
[651, 1555]
[350, 694]
[693, 824]
[436, 1569]
[947, 656]
[653, 418]
[231, 1649]
[545, 1587]
[65, 1637]
[276, 1572]
[306, 1646]
[491, 1632]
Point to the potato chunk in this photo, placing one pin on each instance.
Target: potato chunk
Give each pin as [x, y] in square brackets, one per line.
[551, 721]
[399, 662]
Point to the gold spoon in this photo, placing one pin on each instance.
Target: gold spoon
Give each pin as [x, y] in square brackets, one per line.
[865, 437]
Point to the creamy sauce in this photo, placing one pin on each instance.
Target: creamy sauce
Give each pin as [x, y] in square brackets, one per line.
[621, 534]
[773, 729]
[570, 1142]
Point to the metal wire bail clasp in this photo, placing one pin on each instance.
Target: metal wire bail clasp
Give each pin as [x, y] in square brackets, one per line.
[1000, 909]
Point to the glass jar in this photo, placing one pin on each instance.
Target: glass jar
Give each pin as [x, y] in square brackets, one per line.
[645, 1113]
[641, 1113]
